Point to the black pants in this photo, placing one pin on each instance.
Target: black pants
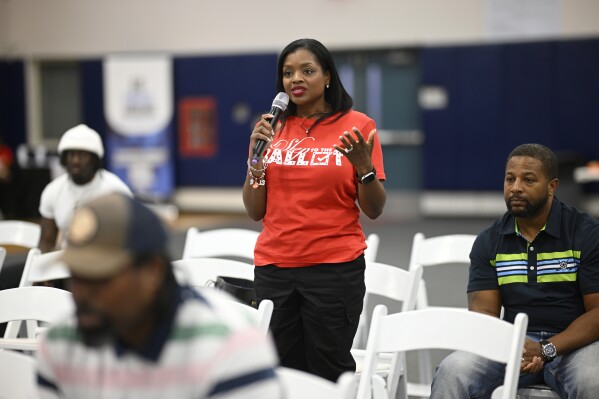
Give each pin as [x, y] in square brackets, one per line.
[316, 314]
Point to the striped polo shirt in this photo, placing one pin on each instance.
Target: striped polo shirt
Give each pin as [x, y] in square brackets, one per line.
[205, 350]
[545, 278]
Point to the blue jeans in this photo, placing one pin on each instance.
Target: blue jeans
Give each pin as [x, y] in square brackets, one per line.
[464, 375]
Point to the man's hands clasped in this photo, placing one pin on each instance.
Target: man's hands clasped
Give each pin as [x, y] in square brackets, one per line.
[532, 362]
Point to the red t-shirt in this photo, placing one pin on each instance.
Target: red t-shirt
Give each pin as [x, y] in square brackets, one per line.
[312, 216]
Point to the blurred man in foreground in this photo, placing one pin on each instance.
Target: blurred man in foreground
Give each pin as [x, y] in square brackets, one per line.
[139, 334]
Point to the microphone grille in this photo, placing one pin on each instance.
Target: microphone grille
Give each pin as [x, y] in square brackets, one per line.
[281, 101]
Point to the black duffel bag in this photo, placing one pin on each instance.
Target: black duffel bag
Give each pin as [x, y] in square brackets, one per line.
[240, 288]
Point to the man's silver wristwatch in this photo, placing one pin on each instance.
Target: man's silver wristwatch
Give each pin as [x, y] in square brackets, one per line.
[548, 351]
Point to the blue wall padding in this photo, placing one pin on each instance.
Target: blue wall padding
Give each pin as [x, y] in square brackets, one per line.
[231, 80]
[504, 95]
[12, 103]
[92, 87]
[500, 95]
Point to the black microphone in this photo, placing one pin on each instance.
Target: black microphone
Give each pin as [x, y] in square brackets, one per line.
[279, 105]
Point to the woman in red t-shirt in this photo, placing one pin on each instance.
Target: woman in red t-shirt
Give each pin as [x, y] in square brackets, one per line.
[323, 166]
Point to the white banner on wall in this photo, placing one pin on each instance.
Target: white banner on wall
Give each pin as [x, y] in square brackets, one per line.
[522, 19]
[138, 105]
[138, 97]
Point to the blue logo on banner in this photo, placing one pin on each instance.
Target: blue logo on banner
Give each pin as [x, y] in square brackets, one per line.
[143, 162]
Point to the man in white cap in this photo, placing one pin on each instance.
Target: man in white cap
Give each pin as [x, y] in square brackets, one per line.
[138, 333]
[81, 152]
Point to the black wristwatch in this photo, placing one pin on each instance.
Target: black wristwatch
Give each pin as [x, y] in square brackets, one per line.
[367, 178]
[548, 351]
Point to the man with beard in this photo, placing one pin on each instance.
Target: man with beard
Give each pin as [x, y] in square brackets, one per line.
[81, 151]
[541, 258]
[139, 334]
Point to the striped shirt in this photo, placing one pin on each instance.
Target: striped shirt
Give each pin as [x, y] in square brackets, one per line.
[546, 278]
[205, 351]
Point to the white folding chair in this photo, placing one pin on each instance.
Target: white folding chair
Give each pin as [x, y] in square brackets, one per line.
[372, 241]
[2, 256]
[17, 376]
[20, 233]
[37, 304]
[231, 242]
[38, 267]
[461, 330]
[390, 282]
[451, 249]
[436, 251]
[202, 272]
[298, 384]
[393, 283]
[43, 267]
[261, 316]
[265, 309]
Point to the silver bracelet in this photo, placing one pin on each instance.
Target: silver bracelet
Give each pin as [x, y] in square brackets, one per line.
[254, 169]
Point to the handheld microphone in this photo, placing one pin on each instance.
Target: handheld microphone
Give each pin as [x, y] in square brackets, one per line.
[279, 105]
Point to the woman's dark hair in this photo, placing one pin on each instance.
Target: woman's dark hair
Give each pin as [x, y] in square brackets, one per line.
[336, 95]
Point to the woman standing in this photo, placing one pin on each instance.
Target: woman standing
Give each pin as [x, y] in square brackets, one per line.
[323, 165]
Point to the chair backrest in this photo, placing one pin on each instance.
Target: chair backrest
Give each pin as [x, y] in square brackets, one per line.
[372, 241]
[20, 233]
[461, 330]
[43, 267]
[393, 282]
[265, 310]
[38, 267]
[451, 249]
[390, 282]
[387, 282]
[17, 376]
[262, 315]
[440, 250]
[200, 272]
[299, 384]
[44, 304]
[229, 242]
[2, 257]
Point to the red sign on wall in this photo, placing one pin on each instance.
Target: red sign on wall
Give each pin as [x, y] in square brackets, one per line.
[197, 127]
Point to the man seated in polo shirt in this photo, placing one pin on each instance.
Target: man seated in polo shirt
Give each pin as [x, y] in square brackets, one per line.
[541, 258]
[137, 333]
